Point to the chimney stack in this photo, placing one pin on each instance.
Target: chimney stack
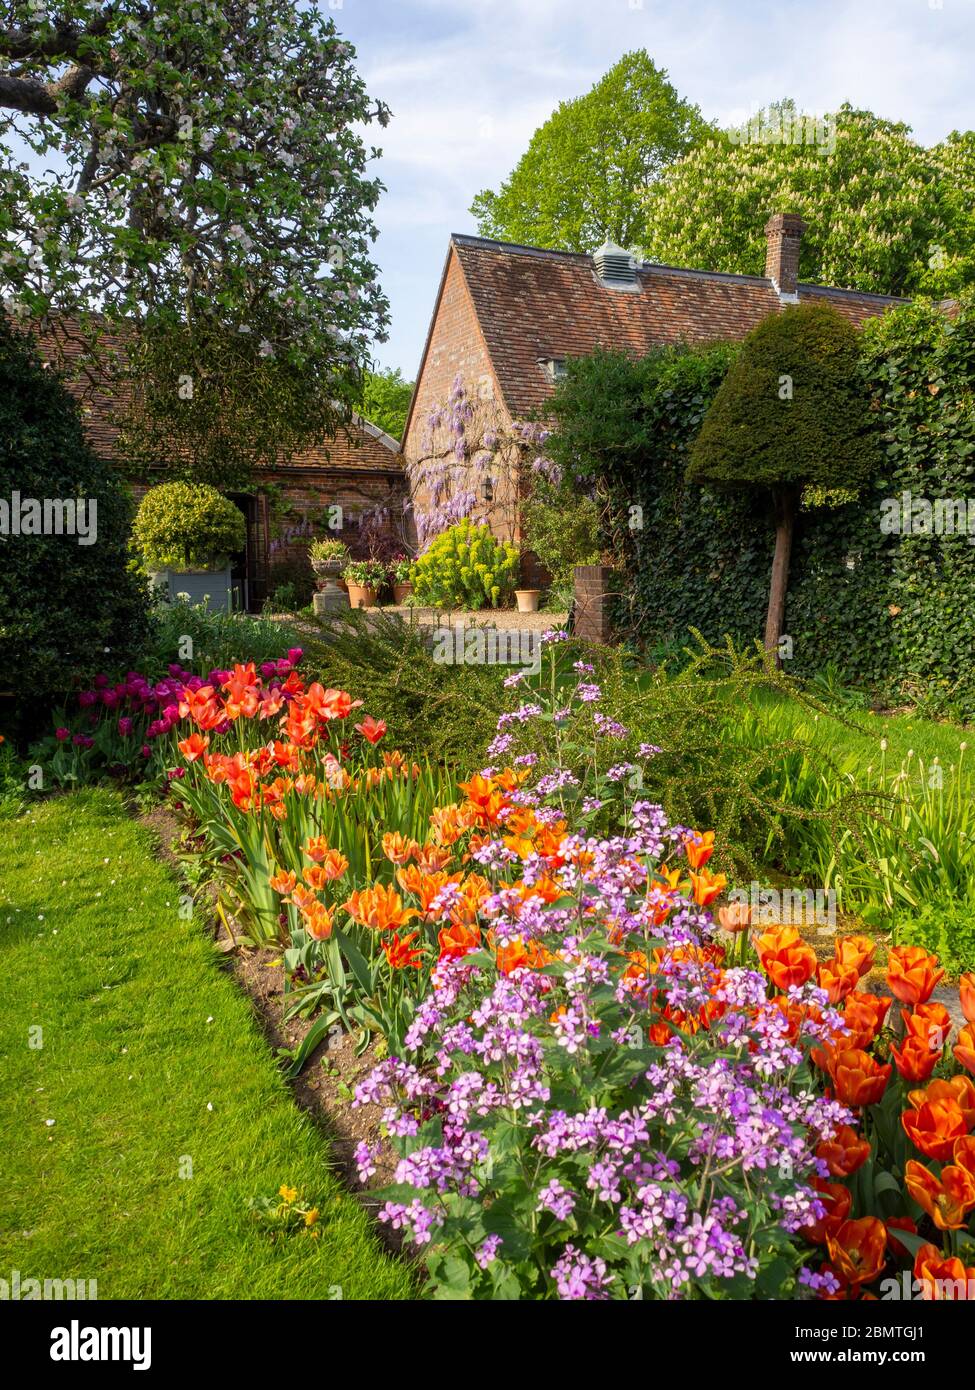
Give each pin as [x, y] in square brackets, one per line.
[784, 233]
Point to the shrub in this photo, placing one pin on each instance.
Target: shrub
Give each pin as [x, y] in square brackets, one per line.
[790, 414]
[945, 928]
[466, 567]
[443, 708]
[187, 526]
[66, 608]
[562, 528]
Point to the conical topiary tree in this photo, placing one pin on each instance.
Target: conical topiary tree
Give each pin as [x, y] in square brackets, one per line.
[69, 606]
[790, 414]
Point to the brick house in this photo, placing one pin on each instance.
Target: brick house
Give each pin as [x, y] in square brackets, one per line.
[507, 317]
[361, 471]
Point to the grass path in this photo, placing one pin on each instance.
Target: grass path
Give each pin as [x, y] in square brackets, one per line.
[141, 1034]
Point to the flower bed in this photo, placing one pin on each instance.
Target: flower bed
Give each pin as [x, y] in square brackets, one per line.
[593, 1089]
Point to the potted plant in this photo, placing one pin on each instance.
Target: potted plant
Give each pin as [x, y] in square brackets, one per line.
[401, 577]
[185, 534]
[527, 600]
[365, 578]
[328, 560]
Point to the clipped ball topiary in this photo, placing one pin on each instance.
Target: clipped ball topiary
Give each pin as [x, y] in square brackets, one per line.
[187, 526]
[465, 567]
[69, 606]
[791, 413]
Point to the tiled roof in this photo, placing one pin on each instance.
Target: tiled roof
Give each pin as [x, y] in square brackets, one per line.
[359, 446]
[536, 305]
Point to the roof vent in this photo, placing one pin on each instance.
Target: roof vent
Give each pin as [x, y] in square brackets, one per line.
[615, 268]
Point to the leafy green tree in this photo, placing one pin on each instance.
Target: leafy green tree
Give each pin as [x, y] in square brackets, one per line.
[951, 264]
[69, 607]
[586, 171]
[884, 214]
[386, 400]
[790, 414]
[198, 176]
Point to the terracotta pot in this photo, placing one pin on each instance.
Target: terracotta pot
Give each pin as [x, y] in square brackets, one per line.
[362, 597]
[528, 600]
[401, 592]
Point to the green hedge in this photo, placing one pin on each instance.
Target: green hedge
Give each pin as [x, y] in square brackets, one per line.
[896, 614]
[69, 606]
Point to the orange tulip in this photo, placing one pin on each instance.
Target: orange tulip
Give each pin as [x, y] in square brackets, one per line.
[857, 1078]
[916, 1059]
[958, 1088]
[934, 1126]
[486, 802]
[380, 908]
[858, 951]
[948, 1199]
[858, 1250]
[432, 858]
[864, 1015]
[194, 747]
[448, 823]
[845, 1152]
[966, 996]
[457, 940]
[303, 898]
[283, 882]
[912, 974]
[474, 889]
[929, 1022]
[837, 1200]
[402, 954]
[707, 886]
[964, 1048]
[963, 1154]
[941, 1278]
[512, 956]
[317, 848]
[318, 921]
[334, 865]
[699, 848]
[836, 979]
[371, 729]
[314, 877]
[735, 917]
[785, 957]
[397, 849]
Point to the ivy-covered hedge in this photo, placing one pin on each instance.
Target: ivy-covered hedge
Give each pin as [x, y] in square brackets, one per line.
[895, 613]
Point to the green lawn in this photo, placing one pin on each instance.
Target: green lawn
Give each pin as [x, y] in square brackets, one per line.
[905, 733]
[142, 1034]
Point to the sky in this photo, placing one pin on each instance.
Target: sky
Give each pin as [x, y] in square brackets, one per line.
[469, 81]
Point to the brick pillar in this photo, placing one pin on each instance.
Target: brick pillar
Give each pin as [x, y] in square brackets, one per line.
[784, 237]
[594, 594]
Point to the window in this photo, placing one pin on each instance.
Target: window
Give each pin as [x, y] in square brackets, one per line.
[553, 367]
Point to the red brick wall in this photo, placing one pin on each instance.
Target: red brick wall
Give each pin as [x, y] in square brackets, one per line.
[457, 349]
[300, 511]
